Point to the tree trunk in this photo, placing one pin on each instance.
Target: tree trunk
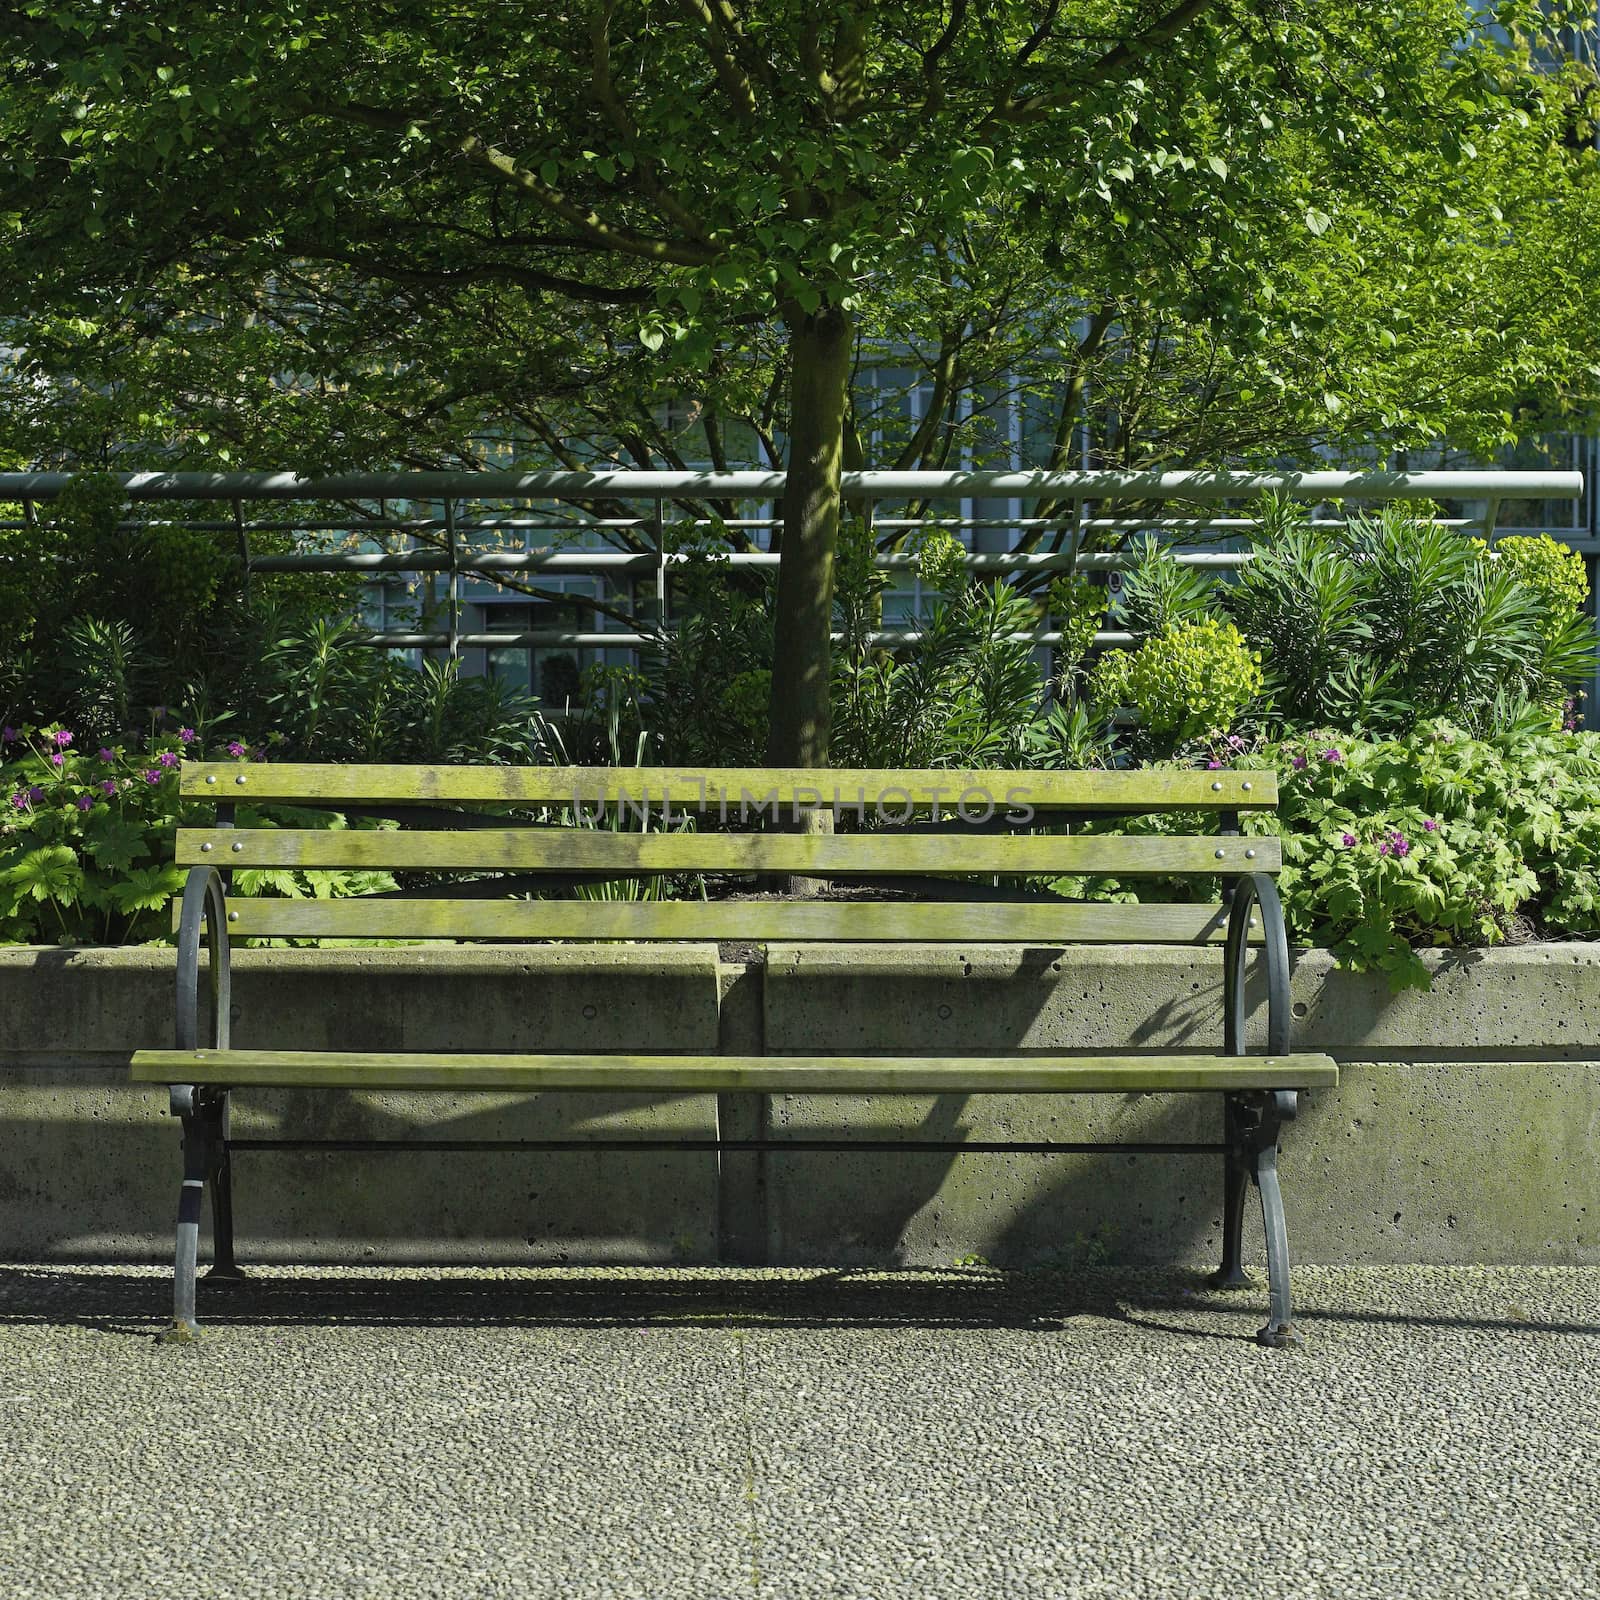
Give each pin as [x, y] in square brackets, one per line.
[820, 347]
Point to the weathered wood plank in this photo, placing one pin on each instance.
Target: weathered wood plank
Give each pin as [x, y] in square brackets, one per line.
[735, 793]
[587, 849]
[1037, 1072]
[867, 921]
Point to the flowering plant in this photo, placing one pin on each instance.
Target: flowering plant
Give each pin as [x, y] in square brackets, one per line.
[87, 836]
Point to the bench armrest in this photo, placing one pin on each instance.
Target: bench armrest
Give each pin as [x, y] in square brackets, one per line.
[1250, 893]
[203, 903]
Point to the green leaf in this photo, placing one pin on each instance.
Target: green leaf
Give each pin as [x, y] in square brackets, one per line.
[148, 888]
[112, 842]
[49, 873]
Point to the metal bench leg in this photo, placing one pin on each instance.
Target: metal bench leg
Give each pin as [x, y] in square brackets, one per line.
[1280, 1332]
[223, 1266]
[197, 1165]
[1235, 1180]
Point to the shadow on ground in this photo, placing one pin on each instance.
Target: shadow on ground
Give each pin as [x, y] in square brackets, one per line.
[1176, 1302]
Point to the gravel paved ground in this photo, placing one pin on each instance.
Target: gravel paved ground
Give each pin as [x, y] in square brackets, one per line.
[708, 1434]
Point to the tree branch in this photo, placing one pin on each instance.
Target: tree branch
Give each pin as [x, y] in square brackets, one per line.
[616, 113]
[1117, 59]
[600, 233]
[934, 97]
[713, 36]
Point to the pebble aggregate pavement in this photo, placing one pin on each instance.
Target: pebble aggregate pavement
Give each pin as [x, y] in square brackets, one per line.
[618, 1433]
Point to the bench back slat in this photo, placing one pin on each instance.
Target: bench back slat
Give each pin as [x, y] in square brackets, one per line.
[777, 921]
[737, 791]
[843, 855]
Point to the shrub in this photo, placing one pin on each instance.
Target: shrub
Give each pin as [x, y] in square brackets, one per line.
[1193, 679]
[1393, 620]
[1554, 573]
[87, 836]
[1437, 838]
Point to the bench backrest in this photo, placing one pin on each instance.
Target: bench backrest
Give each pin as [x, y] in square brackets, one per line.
[565, 831]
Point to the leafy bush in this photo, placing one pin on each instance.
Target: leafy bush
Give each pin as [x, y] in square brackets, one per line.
[1437, 838]
[1159, 592]
[87, 837]
[1193, 679]
[107, 613]
[1392, 620]
[326, 695]
[1554, 573]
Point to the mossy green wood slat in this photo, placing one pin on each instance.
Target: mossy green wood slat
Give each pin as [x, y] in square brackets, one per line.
[869, 921]
[1022, 1073]
[587, 849]
[738, 789]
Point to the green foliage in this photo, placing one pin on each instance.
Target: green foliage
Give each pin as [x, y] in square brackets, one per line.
[1110, 685]
[1437, 838]
[966, 694]
[87, 837]
[1393, 619]
[325, 695]
[453, 261]
[1159, 592]
[941, 563]
[1078, 606]
[710, 679]
[1193, 679]
[1554, 573]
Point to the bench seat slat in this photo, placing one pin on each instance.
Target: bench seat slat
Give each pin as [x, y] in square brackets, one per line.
[576, 849]
[1142, 790]
[1023, 1072]
[758, 921]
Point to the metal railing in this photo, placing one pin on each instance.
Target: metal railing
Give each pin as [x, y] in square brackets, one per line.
[586, 506]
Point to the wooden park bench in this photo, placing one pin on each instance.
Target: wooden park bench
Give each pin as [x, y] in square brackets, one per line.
[949, 856]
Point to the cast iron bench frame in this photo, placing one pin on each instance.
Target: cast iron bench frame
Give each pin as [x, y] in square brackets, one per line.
[1260, 1091]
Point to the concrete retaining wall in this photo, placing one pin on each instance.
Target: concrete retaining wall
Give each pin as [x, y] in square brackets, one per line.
[1466, 1127]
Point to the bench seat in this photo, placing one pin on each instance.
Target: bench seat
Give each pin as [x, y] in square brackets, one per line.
[1021, 1072]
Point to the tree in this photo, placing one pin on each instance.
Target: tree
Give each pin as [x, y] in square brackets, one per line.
[407, 230]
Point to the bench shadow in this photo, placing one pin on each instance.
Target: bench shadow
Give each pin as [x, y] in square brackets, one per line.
[133, 1303]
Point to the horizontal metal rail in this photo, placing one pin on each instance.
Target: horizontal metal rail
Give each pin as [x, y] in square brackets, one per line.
[872, 1146]
[1190, 485]
[573, 491]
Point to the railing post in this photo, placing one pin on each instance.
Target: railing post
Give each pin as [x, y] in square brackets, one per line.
[453, 584]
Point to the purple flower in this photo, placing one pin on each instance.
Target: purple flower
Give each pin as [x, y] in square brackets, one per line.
[7, 735]
[1429, 825]
[1235, 742]
[106, 755]
[63, 739]
[1349, 839]
[187, 735]
[235, 748]
[83, 802]
[1332, 755]
[20, 800]
[108, 786]
[153, 775]
[1299, 763]
[1402, 845]
[261, 753]
[1383, 849]
[57, 759]
[1213, 766]
[36, 795]
[168, 758]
